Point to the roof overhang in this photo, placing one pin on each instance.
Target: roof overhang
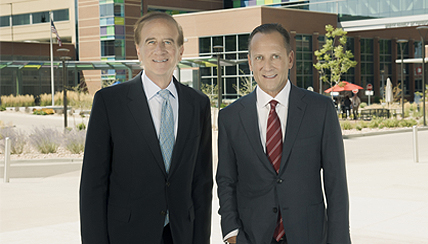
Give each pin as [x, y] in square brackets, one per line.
[209, 61]
[384, 23]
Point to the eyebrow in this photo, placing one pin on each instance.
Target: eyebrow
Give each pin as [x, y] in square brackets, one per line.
[153, 38]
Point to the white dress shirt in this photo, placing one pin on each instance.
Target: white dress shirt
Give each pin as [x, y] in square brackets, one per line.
[263, 108]
[155, 101]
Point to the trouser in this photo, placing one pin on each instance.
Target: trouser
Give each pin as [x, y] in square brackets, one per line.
[166, 236]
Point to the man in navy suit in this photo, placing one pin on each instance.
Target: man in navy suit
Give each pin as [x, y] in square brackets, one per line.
[134, 189]
[279, 148]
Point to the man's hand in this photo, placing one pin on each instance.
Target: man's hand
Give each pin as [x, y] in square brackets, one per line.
[232, 240]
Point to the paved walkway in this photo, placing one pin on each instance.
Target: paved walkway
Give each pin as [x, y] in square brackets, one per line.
[388, 195]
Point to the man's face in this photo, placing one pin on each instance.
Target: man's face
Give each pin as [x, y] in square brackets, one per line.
[270, 62]
[158, 50]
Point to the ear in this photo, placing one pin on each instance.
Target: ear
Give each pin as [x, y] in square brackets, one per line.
[180, 52]
[249, 62]
[291, 59]
[138, 50]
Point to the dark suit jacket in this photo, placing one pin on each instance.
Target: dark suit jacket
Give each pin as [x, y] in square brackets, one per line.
[251, 193]
[125, 190]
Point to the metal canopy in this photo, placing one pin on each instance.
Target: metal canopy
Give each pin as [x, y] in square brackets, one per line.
[209, 61]
[411, 61]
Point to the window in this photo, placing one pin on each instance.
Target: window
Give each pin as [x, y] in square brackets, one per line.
[4, 21]
[60, 15]
[349, 76]
[40, 17]
[118, 10]
[106, 10]
[304, 62]
[366, 62]
[21, 19]
[234, 47]
[107, 48]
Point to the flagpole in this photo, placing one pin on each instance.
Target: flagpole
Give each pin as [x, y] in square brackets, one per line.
[52, 71]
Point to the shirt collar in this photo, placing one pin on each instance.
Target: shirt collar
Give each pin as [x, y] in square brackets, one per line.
[263, 98]
[151, 89]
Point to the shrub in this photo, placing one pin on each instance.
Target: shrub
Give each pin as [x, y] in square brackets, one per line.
[346, 125]
[81, 126]
[75, 141]
[389, 123]
[17, 140]
[363, 105]
[18, 101]
[374, 123]
[43, 111]
[45, 140]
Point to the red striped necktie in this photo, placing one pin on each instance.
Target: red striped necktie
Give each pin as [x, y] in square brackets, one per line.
[274, 153]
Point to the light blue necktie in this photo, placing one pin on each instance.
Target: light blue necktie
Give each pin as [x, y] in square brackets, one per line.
[166, 134]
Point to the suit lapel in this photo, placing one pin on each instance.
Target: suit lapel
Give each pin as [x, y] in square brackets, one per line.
[296, 110]
[249, 120]
[185, 122]
[140, 111]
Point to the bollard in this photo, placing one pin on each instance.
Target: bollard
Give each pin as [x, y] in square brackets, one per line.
[6, 160]
[415, 144]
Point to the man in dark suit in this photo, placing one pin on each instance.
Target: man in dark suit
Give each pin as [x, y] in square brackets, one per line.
[147, 168]
[278, 147]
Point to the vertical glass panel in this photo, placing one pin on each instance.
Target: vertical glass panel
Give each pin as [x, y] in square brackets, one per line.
[118, 10]
[40, 17]
[106, 10]
[243, 42]
[230, 70]
[21, 19]
[119, 48]
[217, 41]
[204, 45]
[4, 21]
[230, 43]
[110, 30]
[107, 48]
[103, 30]
[60, 15]
[119, 30]
[230, 84]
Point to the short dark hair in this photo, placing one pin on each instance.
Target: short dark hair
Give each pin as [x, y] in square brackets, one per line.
[269, 28]
[156, 15]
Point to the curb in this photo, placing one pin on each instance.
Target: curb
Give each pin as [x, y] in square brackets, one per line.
[46, 161]
[383, 132]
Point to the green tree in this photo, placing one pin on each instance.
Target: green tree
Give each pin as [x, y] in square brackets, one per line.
[333, 57]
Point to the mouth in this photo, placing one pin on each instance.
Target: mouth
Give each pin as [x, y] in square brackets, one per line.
[160, 61]
[269, 76]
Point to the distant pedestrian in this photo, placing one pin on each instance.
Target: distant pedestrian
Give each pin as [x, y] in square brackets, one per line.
[356, 101]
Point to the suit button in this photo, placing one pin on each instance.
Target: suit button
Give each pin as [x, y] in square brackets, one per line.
[275, 210]
[163, 213]
[167, 184]
[279, 181]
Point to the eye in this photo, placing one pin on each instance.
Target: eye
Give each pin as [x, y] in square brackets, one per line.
[168, 42]
[258, 58]
[151, 42]
[275, 56]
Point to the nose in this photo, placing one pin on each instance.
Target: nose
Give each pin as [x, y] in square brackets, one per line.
[160, 47]
[267, 65]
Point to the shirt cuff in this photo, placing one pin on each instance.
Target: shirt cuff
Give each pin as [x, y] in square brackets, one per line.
[231, 234]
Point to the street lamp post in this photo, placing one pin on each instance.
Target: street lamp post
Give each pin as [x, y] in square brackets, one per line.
[401, 42]
[219, 50]
[423, 30]
[63, 57]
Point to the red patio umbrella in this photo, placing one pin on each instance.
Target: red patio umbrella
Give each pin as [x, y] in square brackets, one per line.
[343, 86]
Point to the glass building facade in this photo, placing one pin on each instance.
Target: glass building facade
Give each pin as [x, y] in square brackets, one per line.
[235, 48]
[112, 35]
